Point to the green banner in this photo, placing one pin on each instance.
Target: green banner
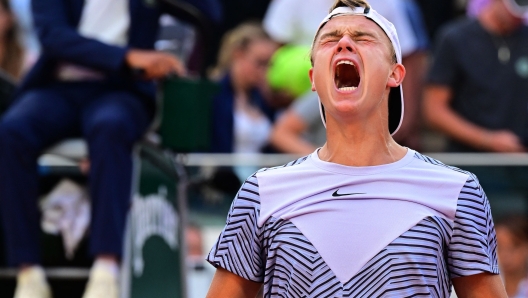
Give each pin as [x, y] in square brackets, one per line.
[154, 242]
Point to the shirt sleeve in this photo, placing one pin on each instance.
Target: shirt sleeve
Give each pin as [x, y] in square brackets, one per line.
[473, 246]
[238, 248]
[444, 66]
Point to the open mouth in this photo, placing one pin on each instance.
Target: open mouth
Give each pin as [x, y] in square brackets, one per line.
[346, 76]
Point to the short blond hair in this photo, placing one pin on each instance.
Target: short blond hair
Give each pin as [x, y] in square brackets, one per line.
[349, 3]
[238, 38]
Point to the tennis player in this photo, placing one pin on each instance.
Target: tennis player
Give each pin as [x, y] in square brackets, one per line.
[362, 216]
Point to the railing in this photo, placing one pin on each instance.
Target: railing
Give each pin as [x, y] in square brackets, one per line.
[504, 178]
[265, 160]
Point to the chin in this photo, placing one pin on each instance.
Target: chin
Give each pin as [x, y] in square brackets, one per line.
[347, 107]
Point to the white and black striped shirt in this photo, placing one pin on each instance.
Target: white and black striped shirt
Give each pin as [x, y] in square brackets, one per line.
[338, 231]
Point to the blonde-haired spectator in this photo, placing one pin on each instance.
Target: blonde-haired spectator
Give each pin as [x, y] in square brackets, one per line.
[242, 117]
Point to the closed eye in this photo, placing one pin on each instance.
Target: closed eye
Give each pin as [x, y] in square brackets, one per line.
[329, 39]
[364, 39]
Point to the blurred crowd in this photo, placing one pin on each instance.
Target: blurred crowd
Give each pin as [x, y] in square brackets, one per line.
[466, 90]
[259, 54]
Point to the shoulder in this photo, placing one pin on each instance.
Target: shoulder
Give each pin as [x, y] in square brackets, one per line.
[251, 185]
[458, 29]
[282, 168]
[440, 167]
[471, 194]
[249, 198]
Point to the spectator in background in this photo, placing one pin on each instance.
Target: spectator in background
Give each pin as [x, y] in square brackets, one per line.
[512, 241]
[295, 22]
[11, 51]
[241, 118]
[82, 85]
[478, 84]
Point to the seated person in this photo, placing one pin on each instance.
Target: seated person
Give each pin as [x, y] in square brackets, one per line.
[242, 118]
[82, 85]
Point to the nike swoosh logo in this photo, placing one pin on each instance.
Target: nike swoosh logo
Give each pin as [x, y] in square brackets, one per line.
[335, 194]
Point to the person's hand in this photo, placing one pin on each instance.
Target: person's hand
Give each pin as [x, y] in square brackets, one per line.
[503, 141]
[154, 64]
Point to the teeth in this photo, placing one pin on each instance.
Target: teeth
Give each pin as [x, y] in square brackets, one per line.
[345, 62]
[347, 89]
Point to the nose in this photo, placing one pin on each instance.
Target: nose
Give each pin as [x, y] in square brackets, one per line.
[345, 44]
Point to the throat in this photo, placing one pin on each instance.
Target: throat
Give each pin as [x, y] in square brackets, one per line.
[361, 150]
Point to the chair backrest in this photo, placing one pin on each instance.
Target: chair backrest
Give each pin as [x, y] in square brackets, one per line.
[186, 12]
[186, 114]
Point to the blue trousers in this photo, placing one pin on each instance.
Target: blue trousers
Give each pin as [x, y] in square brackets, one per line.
[110, 120]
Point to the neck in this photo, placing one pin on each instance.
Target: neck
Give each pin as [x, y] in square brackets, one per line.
[360, 145]
[490, 20]
[512, 280]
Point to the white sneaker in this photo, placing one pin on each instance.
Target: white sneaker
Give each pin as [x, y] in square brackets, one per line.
[102, 284]
[31, 283]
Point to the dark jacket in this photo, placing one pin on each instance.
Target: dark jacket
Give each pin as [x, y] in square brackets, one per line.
[223, 111]
[56, 23]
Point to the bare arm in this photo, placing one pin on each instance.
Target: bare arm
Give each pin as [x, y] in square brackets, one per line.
[287, 134]
[227, 284]
[484, 285]
[441, 116]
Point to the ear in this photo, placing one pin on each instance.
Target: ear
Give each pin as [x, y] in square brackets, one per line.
[397, 75]
[310, 73]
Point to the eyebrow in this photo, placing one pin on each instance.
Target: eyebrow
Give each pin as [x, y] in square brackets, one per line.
[338, 33]
[335, 33]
